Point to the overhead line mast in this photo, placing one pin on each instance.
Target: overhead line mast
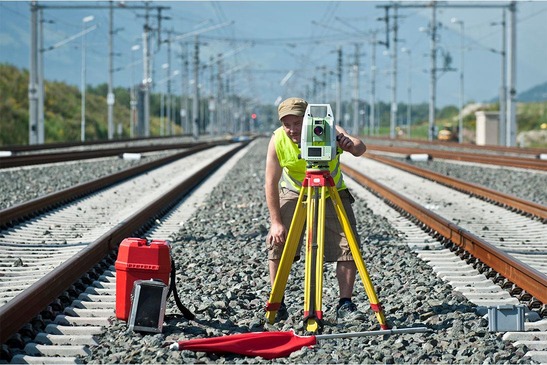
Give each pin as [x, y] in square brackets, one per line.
[510, 126]
[36, 75]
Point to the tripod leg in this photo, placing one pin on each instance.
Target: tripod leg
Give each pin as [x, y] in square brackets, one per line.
[313, 314]
[356, 253]
[287, 258]
[314, 259]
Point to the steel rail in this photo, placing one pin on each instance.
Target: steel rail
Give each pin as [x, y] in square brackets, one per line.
[57, 145]
[522, 275]
[45, 158]
[514, 202]
[509, 161]
[455, 145]
[25, 210]
[25, 306]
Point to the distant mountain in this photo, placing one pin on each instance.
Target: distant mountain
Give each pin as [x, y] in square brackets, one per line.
[535, 94]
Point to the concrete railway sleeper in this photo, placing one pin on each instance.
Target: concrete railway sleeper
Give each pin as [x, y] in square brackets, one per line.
[86, 301]
[18, 311]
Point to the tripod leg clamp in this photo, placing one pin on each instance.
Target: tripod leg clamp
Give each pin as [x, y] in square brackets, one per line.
[272, 306]
[316, 316]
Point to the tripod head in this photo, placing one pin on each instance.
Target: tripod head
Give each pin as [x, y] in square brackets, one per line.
[318, 142]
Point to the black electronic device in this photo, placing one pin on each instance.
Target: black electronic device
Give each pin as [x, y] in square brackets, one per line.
[148, 306]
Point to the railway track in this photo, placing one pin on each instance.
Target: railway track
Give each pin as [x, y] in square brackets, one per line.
[75, 227]
[470, 223]
[526, 162]
[100, 295]
[42, 157]
[455, 146]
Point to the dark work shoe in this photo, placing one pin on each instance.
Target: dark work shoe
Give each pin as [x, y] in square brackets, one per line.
[348, 310]
[282, 313]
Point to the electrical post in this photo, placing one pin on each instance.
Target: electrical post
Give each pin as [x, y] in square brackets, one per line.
[511, 105]
[503, 91]
[185, 85]
[372, 117]
[133, 101]
[33, 83]
[219, 94]
[409, 91]
[460, 115]
[356, 129]
[110, 94]
[339, 87]
[168, 129]
[393, 119]
[38, 120]
[510, 120]
[40, 73]
[146, 73]
[195, 100]
[433, 71]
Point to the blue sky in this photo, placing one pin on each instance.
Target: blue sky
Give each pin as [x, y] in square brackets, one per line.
[270, 40]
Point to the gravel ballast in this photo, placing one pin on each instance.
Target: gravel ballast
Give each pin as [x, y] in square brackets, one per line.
[223, 278]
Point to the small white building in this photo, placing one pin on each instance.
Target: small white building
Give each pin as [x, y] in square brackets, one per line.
[487, 128]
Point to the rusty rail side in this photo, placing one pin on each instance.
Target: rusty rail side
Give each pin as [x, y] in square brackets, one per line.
[29, 303]
[509, 161]
[45, 158]
[57, 145]
[493, 148]
[524, 276]
[523, 205]
[24, 210]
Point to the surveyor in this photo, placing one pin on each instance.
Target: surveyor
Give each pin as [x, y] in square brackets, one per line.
[285, 172]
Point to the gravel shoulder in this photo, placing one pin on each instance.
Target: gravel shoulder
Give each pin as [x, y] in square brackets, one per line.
[222, 277]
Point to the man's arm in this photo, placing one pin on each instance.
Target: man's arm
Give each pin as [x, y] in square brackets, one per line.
[273, 174]
[349, 143]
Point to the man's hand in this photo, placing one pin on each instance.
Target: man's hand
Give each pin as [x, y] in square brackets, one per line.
[278, 234]
[345, 143]
[349, 143]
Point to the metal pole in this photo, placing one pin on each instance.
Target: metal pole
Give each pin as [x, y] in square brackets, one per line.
[460, 120]
[409, 91]
[147, 78]
[503, 88]
[511, 105]
[40, 70]
[83, 81]
[221, 128]
[195, 102]
[339, 88]
[110, 95]
[168, 129]
[165, 66]
[372, 117]
[460, 116]
[33, 84]
[185, 75]
[188, 121]
[393, 119]
[133, 102]
[356, 129]
[433, 65]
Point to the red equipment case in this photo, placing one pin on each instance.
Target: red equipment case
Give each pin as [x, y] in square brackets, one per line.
[139, 259]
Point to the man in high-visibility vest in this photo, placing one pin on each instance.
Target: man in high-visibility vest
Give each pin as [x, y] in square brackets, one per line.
[285, 172]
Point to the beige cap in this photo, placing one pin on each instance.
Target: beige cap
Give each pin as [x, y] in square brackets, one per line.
[292, 106]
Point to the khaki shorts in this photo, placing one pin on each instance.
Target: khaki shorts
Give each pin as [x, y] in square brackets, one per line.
[336, 244]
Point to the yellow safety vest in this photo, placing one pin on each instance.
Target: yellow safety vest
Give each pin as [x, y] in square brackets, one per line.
[294, 168]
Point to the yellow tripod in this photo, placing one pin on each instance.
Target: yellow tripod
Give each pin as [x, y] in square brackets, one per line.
[315, 185]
